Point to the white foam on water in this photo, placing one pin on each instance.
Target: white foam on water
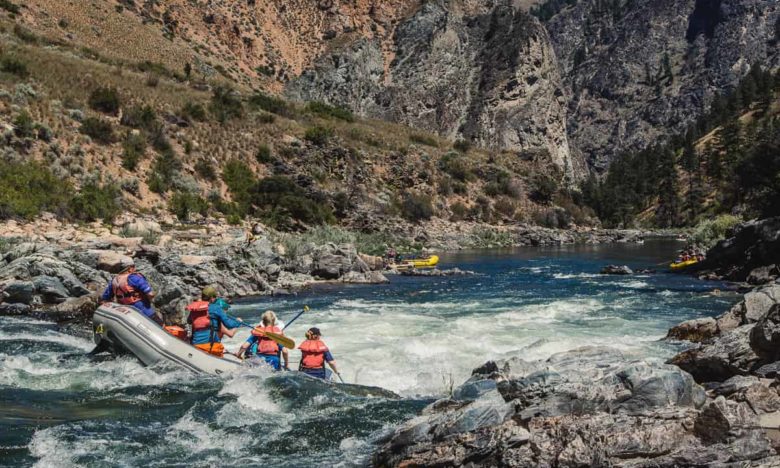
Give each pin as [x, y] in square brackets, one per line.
[574, 275]
[636, 284]
[49, 336]
[51, 450]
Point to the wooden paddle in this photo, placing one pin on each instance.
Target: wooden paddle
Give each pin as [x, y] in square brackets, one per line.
[288, 343]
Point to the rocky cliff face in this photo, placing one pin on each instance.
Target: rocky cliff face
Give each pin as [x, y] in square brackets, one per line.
[635, 72]
[598, 79]
[485, 72]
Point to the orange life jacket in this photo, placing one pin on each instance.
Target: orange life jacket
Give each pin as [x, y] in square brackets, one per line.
[313, 354]
[266, 345]
[199, 315]
[123, 292]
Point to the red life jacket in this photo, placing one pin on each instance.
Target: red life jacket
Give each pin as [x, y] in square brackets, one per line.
[199, 315]
[313, 354]
[123, 292]
[266, 345]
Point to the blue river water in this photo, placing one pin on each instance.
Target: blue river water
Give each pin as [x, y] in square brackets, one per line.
[417, 337]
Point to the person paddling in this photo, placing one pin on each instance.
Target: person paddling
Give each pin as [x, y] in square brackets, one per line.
[131, 288]
[264, 347]
[210, 322]
[314, 355]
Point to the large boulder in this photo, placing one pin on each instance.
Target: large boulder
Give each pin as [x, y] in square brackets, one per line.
[50, 289]
[728, 355]
[765, 335]
[754, 245]
[616, 270]
[696, 330]
[18, 292]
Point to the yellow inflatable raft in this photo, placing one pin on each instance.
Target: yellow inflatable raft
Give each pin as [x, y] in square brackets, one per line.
[420, 263]
[682, 265]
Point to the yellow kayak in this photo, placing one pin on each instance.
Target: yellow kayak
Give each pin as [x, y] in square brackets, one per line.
[428, 262]
[685, 264]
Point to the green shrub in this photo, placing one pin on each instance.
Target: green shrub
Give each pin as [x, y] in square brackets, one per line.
[270, 104]
[417, 207]
[194, 111]
[490, 237]
[9, 7]
[183, 204]
[240, 180]
[455, 165]
[318, 135]
[709, 231]
[141, 117]
[205, 169]
[264, 155]
[164, 170]
[265, 118]
[25, 34]
[462, 145]
[98, 129]
[328, 111]
[106, 100]
[133, 149]
[14, 66]
[95, 202]
[24, 126]
[459, 211]
[225, 104]
[422, 139]
[544, 188]
[27, 188]
[284, 202]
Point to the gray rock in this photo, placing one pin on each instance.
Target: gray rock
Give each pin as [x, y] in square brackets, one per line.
[729, 355]
[696, 330]
[734, 384]
[51, 289]
[19, 292]
[763, 275]
[8, 308]
[765, 335]
[616, 270]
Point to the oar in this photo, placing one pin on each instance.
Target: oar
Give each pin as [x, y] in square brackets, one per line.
[305, 309]
[288, 343]
[342, 380]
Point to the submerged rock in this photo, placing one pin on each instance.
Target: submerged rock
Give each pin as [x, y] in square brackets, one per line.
[616, 270]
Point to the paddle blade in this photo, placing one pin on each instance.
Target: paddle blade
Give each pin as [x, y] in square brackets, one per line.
[288, 343]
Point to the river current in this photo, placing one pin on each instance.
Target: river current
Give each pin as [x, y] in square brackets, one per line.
[417, 337]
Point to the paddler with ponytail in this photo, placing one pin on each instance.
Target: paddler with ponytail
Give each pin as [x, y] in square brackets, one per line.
[314, 355]
[264, 347]
[210, 322]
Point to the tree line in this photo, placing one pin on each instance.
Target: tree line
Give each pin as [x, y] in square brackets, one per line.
[726, 161]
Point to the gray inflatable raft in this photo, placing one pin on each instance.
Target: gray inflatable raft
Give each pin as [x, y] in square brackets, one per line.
[124, 328]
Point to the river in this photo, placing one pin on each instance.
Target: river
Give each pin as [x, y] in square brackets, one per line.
[417, 337]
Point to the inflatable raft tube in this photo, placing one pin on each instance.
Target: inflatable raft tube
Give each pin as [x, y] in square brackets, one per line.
[683, 265]
[419, 263]
[123, 328]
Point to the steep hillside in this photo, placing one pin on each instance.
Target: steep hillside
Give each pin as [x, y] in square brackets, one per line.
[727, 162]
[107, 133]
[481, 71]
[636, 72]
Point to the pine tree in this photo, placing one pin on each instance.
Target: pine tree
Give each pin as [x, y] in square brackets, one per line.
[668, 212]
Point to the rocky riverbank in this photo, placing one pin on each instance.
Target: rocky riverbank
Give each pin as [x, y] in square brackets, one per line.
[715, 404]
[61, 273]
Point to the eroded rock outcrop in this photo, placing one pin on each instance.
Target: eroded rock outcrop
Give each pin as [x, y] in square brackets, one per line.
[586, 407]
[485, 72]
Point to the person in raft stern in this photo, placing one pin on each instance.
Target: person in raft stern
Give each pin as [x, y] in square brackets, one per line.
[130, 287]
[314, 355]
[263, 347]
[210, 322]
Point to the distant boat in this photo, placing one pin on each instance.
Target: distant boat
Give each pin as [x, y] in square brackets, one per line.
[417, 263]
[677, 266]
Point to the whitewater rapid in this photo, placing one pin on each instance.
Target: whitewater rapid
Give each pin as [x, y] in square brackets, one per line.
[416, 337]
